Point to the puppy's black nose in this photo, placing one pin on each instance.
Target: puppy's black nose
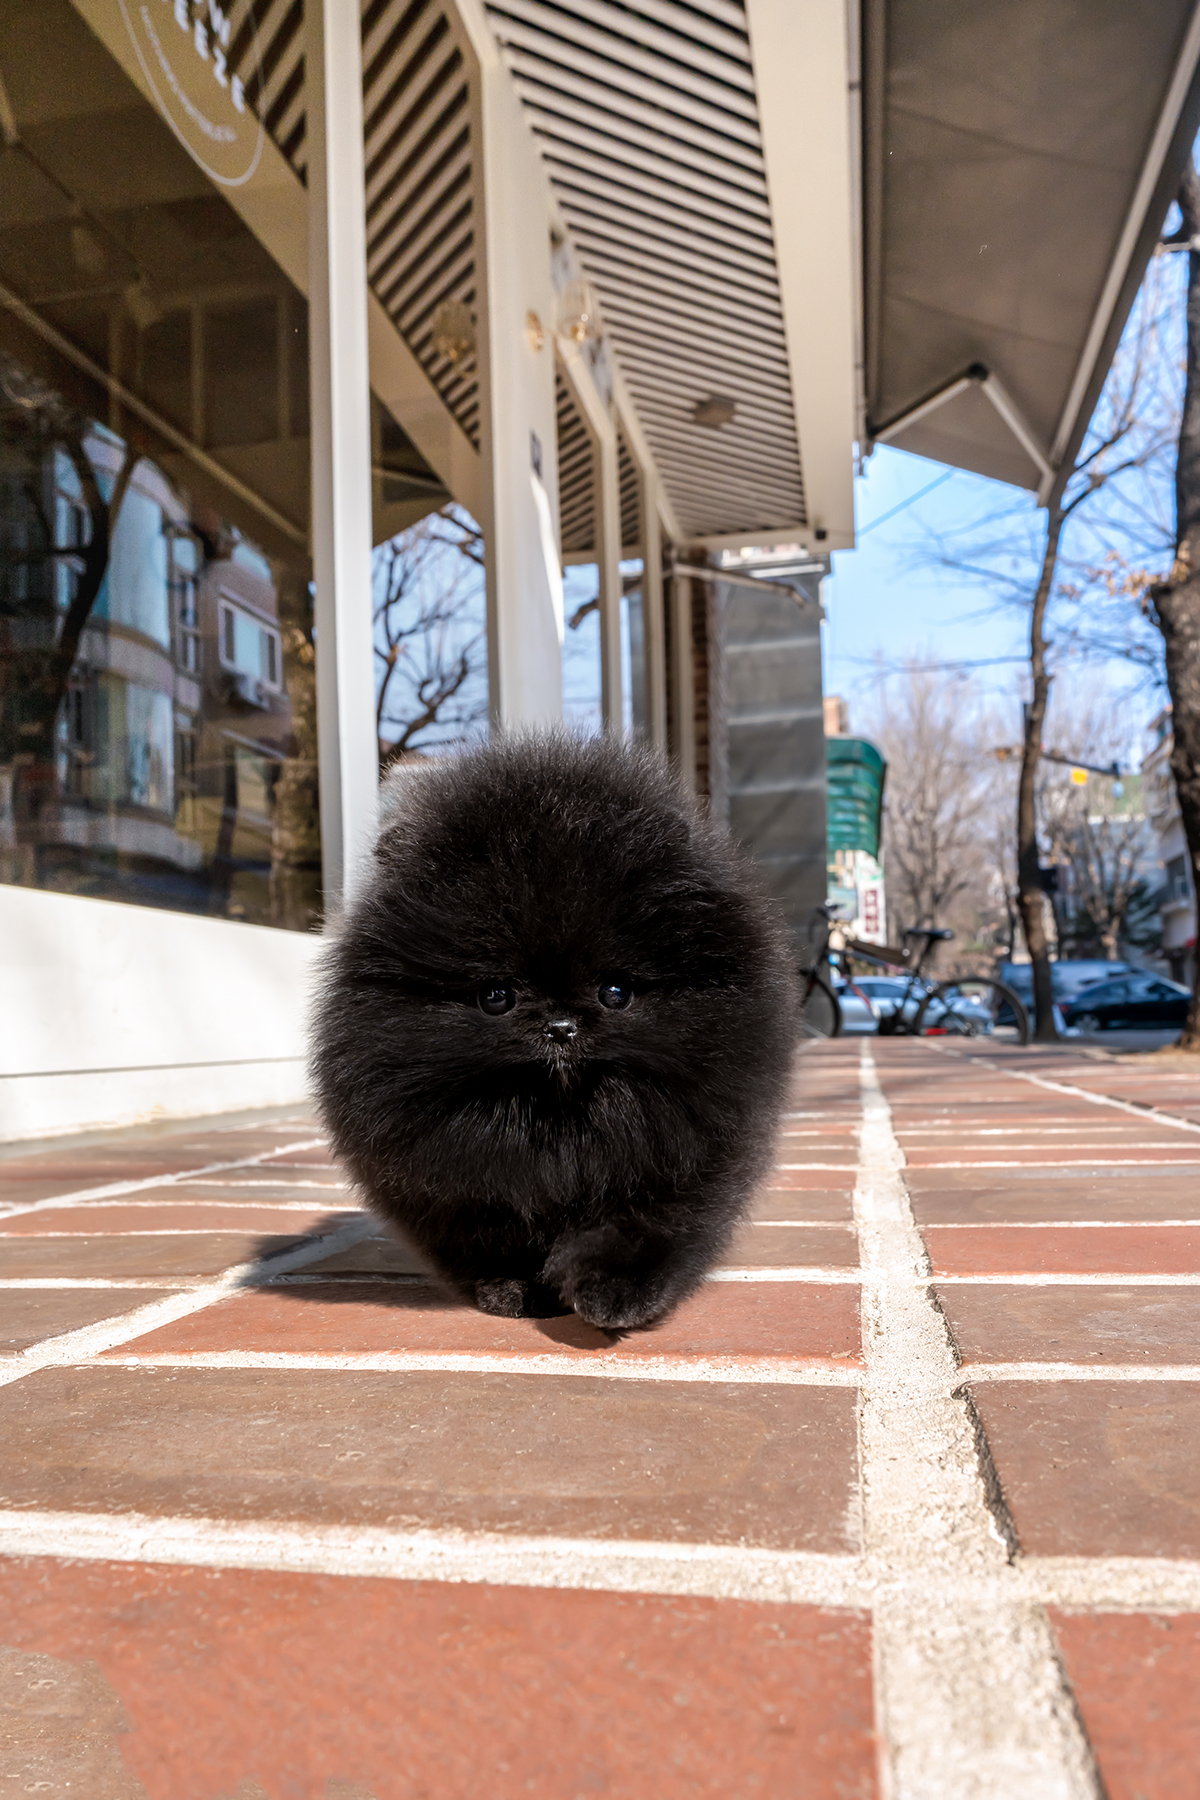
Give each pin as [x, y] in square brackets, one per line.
[562, 1030]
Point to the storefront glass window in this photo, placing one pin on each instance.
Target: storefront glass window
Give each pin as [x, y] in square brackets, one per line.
[157, 678]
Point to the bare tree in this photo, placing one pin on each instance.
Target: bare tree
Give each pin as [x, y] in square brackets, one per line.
[34, 679]
[1033, 563]
[295, 881]
[936, 800]
[1176, 600]
[1095, 831]
[430, 635]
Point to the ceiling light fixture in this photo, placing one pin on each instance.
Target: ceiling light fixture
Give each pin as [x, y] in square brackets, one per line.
[454, 331]
[717, 409]
[577, 312]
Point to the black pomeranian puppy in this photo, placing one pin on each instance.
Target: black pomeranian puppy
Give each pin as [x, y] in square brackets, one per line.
[555, 1030]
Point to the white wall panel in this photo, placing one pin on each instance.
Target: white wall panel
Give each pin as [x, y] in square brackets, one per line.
[110, 1014]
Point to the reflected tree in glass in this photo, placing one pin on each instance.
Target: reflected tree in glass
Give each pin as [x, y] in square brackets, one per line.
[430, 636]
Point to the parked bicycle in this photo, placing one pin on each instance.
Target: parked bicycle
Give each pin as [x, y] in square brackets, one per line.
[820, 1010]
[967, 1006]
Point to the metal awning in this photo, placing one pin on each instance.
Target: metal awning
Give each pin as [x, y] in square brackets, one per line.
[1019, 159]
[647, 119]
[652, 125]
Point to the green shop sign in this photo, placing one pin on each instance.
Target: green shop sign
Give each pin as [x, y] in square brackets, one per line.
[855, 773]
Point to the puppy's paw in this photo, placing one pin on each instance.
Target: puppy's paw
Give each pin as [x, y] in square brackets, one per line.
[617, 1303]
[514, 1299]
[505, 1299]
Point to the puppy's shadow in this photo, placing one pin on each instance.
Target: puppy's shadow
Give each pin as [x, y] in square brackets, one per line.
[379, 1270]
[577, 1334]
[385, 1271]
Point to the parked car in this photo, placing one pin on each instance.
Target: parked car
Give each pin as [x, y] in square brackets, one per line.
[886, 992]
[972, 1015]
[1136, 1002]
[869, 1002]
[858, 1015]
[1067, 978]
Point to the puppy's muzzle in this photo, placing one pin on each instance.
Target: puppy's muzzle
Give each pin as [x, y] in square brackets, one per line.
[561, 1031]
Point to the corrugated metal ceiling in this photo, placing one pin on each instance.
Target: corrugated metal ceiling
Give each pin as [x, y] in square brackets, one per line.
[646, 118]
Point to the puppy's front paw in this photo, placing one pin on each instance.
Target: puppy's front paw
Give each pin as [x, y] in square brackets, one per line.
[518, 1299]
[617, 1303]
[506, 1299]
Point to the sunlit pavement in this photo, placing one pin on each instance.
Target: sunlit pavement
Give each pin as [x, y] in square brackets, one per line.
[279, 1520]
[1126, 1043]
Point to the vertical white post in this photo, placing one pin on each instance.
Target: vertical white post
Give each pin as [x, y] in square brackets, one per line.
[514, 326]
[603, 432]
[683, 680]
[608, 571]
[654, 622]
[348, 744]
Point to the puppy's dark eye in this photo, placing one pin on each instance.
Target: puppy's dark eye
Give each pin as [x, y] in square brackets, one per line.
[496, 997]
[615, 993]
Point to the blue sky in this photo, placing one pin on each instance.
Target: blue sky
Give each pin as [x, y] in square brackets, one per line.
[887, 600]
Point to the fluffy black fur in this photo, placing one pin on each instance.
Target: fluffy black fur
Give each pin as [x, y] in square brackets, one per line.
[563, 1153]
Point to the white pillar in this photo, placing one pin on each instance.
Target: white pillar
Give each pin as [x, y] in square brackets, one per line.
[599, 422]
[514, 343]
[341, 444]
[683, 680]
[653, 616]
[608, 571]
[653, 620]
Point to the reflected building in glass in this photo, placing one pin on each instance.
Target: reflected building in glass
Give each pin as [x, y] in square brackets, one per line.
[158, 733]
[157, 695]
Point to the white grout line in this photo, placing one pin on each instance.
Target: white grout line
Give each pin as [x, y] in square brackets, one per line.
[324, 1187]
[842, 1168]
[326, 1167]
[1032, 1128]
[1059, 1278]
[111, 1189]
[1139, 1111]
[608, 1364]
[118, 1237]
[970, 1696]
[1113, 1583]
[612, 1565]
[71, 1347]
[808, 1224]
[850, 1113]
[244, 1205]
[36, 1282]
[1142, 1224]
[1181, 1161]
[973, 1373]
[848, 1277]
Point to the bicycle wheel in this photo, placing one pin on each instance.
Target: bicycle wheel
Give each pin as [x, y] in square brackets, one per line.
[970, 1008]
[820, 1013]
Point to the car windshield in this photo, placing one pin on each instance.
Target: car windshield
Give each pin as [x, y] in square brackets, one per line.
[1100, 994]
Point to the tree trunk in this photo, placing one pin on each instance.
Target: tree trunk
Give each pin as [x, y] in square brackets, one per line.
[46, 674]
[296, 832]
[1177, 600]
[1030, 898]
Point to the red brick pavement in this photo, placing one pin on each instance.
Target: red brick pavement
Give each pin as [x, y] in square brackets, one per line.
[279, 1520]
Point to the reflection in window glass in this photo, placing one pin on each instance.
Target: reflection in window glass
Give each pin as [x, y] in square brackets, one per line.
[581, 651]
[430, 637]
[157, 668]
